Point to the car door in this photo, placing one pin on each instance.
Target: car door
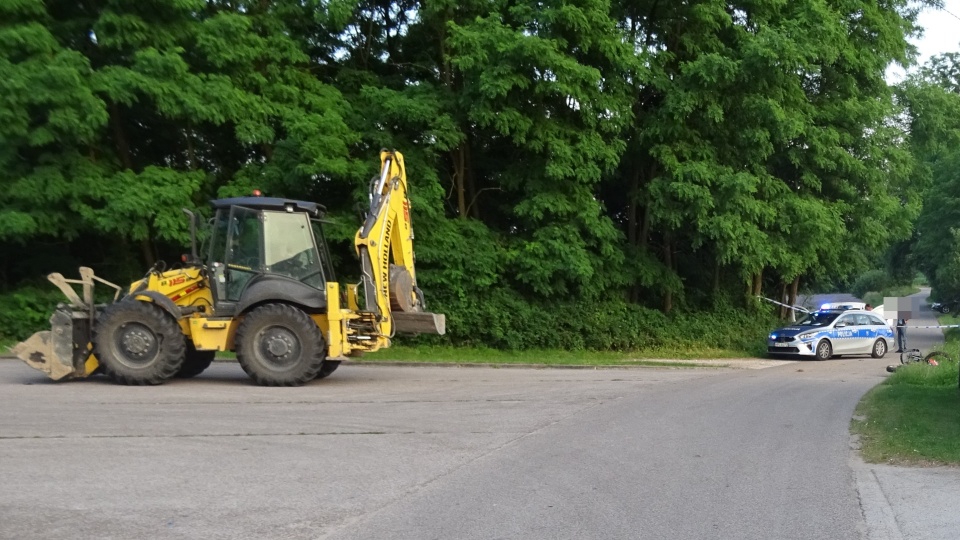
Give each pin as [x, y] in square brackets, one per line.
[844, 334]
[866, 333]
[881, 329]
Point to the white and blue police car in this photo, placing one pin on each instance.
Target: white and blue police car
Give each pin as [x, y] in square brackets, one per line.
[833, 332]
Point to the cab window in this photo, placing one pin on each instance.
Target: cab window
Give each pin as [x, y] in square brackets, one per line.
[290, 249]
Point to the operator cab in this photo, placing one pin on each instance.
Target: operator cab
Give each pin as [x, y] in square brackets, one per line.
[267, 249]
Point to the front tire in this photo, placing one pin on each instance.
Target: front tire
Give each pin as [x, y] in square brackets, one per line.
[879, 348]
[945, 309]
[824, 350]
[138, 343]
[280, 345]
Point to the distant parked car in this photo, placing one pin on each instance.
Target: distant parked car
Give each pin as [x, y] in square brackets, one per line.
[833, 332]
[945, 307]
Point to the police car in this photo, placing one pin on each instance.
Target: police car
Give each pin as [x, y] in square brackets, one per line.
[833, 332]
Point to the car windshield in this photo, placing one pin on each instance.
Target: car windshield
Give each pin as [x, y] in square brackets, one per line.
[818, 318]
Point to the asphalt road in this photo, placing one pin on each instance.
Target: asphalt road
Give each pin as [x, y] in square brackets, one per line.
[403, 452]
[444, 452]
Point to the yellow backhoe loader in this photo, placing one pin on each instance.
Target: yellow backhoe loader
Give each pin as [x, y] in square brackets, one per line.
[266, 291]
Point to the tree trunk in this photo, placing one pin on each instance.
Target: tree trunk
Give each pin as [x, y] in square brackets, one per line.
[783, 299]
[126, 159]
[146, 247]
[668, 262]
[633, 192]
[716, 279]
[754, 288]
[459, 180]
[633, 226]
[794, 289]
[645, 224]
[120, 137]
[472, 191]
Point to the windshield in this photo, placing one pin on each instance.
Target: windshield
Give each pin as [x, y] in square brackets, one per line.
[818, 318]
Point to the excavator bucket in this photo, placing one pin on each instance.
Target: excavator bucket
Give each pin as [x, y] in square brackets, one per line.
[64, 351]
[420, 323]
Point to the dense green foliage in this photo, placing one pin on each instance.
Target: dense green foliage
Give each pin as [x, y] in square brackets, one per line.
[871, 281]
[585, 173]
[933, 97]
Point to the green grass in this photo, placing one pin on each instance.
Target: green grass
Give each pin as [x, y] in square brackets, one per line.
[906, 423]
[472, 355]
[914, 416]
[950, 335]
[5, 344]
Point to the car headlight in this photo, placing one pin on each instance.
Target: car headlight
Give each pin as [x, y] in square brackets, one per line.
[805, 337]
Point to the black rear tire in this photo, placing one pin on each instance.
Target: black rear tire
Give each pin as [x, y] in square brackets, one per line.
[195, 362]
[138, 343]
[329, 366]
[280, 345]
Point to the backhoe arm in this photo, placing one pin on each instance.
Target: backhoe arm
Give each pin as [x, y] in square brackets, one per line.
[385, 246]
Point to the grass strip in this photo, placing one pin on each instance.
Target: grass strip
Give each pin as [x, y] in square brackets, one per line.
[482, 355]
[466, 355]
[913, 418]
[910, 424]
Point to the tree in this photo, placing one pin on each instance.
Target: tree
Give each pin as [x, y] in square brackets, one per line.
[151, 107]
[932, 101]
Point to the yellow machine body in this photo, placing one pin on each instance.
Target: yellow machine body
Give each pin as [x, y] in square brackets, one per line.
[350, 325]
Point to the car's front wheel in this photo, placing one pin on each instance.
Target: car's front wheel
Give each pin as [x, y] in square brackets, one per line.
[824, 350]
[879, 348]
[944, 309]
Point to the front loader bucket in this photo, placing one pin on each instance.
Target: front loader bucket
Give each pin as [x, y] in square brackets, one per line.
[61, 352]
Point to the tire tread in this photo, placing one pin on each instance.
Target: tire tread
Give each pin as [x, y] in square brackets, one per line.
[313, 347]
[172, 346]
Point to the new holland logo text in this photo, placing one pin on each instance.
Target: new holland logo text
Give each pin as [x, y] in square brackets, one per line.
[385, 263]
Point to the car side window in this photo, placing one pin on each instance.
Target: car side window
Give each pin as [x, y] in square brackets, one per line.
[876, 321]
[863, 320]
[846, 321]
